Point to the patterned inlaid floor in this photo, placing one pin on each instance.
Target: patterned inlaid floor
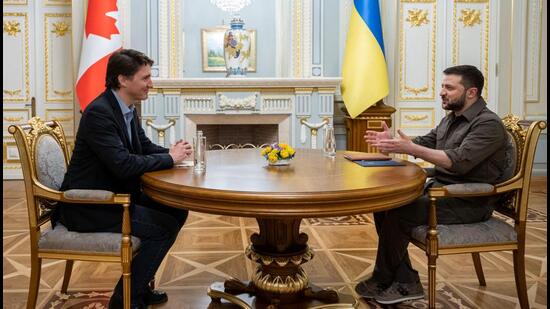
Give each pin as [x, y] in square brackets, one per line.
[210, 248]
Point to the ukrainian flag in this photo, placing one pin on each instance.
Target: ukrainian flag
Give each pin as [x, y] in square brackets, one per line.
[364, 72]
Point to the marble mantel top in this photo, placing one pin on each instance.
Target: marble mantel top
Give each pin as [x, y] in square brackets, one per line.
[249, 82]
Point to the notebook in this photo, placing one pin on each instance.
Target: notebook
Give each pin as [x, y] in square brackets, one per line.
[355, 156]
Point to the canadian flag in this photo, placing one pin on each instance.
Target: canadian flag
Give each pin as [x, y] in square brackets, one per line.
[101, 38]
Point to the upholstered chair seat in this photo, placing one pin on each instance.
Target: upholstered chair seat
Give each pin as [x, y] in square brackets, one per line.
[494, 230]
[61, 239]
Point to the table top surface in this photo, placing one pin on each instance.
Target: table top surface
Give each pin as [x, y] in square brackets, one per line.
[240, 182]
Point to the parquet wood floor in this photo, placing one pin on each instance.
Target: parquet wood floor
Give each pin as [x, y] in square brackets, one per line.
[210, 248]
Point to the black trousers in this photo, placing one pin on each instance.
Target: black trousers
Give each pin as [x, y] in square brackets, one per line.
[394, 229]
[157, 226]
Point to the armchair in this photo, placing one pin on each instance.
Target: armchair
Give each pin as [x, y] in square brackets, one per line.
[44, 156]
[493, 234]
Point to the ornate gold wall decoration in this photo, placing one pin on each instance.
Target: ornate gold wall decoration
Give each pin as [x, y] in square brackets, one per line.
[470, 17]
[12, 27]
[12, 92]
[416, 91]
[60, 28]
[63, 93]
[13, 119]
[417, 17]
[416, 117]
[22, 55]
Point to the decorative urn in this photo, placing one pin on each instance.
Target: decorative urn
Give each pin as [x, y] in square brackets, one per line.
[236, 48]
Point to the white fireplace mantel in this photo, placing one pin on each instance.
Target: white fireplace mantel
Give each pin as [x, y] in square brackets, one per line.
[252, 82]
[291, 103]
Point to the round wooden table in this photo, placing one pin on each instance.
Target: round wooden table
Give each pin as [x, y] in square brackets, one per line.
[241, 183]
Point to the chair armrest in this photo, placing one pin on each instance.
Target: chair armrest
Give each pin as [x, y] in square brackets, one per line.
[463, 190]
[81, 196]
[84, 195]
[430, 171]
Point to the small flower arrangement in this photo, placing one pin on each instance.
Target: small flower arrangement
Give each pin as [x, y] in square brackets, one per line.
[277, 152]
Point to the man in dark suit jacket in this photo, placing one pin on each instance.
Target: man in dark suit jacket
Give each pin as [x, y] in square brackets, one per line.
[111, 153]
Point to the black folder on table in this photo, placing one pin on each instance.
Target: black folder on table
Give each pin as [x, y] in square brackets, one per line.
[379, 163]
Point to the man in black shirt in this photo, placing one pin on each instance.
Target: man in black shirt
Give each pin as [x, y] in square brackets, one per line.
[468, 145]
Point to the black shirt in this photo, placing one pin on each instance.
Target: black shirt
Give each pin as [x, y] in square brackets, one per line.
[474, 141]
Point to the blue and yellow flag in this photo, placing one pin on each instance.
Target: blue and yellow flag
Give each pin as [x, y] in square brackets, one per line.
[364, 72]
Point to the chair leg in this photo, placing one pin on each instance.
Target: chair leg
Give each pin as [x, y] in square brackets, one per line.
[479, 269]
[431, 280]
[67, 276]
[36, 265]
[521, 283]
[126, 288]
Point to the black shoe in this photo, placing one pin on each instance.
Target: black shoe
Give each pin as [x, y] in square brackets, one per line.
[369, 288]
[154, 297]
[116, 302]
[400, 292]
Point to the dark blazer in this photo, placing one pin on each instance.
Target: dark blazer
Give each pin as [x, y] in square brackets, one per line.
[105, 159]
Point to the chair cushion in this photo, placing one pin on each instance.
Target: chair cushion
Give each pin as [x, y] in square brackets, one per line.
[62, 239]
[50, 162]
[493, 230]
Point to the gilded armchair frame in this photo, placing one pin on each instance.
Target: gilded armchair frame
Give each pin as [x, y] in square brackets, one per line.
[514, 193]
[39, 199]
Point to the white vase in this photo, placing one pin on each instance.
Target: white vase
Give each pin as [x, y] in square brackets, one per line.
[279, 162]
[236, 48]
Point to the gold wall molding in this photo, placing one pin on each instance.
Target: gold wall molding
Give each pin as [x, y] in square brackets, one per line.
[25, 54]
[11, 92]
[12, 27]
[484, 18]
[63, 93]
[58, 2]
[470, 17]
[12, 2]
[297, 34]
[13, 119]
[60, 28]
[416, 117]
[64, 27]
[417, 17]
[416, 91]
[424, 117]
[533, 58]
[409, 92]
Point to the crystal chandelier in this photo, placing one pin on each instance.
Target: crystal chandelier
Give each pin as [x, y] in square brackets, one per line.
[231, 6]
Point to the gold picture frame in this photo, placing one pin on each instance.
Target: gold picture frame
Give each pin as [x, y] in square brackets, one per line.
[212, 49]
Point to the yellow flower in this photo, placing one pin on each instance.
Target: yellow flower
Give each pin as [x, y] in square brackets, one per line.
[272, 158]
[291, 151]
[265, 151]
[283, 145]
[284, 154]
[274, 151]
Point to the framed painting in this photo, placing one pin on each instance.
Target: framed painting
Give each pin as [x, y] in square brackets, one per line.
[212, 49]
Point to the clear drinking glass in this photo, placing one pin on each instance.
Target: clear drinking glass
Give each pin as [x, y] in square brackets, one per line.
[329, 143]
[199, 147]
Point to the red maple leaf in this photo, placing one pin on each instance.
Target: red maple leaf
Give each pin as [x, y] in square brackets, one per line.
[97, 22]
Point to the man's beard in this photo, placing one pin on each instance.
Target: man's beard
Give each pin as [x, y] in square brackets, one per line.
[456, 105]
